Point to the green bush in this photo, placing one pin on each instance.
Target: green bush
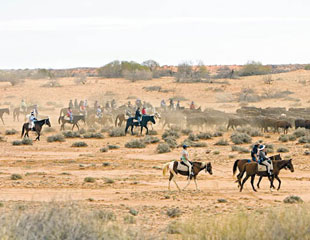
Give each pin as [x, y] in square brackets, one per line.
[204, 135]
[153, 132]
[56, 138]
[71, 134]
[307, 67]
[104, 149]
[304, 139]
[135, 143]
[10, 132]
[150, 139]
[16, 176]
[193, 144]
[163, 148]
[283, 138]
[27, 141]
[240, 138]
[90, 179]
[171, 141]
[282, 150]
[300, 132]
[117, 132]
[79, 144]
[93, 135]
[239, 149]
[253, 132]
[113, 146]
[292, 137]
[17, 143]
[254, 68]
[193, 137]
[170, 133]
[222, 142]
[186, 131]
[217, 134]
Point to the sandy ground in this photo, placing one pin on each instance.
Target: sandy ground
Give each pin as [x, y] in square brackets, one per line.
[56, 171]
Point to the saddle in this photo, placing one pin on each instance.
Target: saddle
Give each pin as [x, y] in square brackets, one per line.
[182, 166]
[263, 168]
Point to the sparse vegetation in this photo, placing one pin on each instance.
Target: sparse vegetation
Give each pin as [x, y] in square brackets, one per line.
[250, 131]
[222, 142]
[150, 139]
[16, 176]
[171, 141]
[300, 132]
[104, 149]
[239, 149]
[56, 138]
[93, 135]
[25, 141]
[193, 137]
[135, 143]
[304, 139]
[10, 132]
[117, 132]
[79, 144]
[71, 134]
[204, 135]
[163, 148]
[174, 212]
[283, 138]
[254, 68]
[282, 150]
[110, 146]
[240, 138]
[89, 179]
[186, 131]
[172, 133]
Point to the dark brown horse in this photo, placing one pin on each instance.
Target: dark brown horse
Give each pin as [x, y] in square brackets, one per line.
[75, 121]
[2, 111]
[251, 170]
[176, 167]
[239, 163]
[37, 128]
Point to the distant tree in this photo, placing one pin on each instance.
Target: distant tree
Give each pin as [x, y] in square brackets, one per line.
[189, 73]
[254, 68]
[151, 64]
[111, 70]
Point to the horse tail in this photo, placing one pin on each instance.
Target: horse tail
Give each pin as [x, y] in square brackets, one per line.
[23, 130]
[235, 167]
[116, 120]
[165, 169]
[60, 114]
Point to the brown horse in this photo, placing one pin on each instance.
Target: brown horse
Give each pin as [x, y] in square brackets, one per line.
[17, 111]
[251, 170]
[37, 128]
[239, 163]
[2, 111]
[176, 167]
[120, 118]
[75, 120]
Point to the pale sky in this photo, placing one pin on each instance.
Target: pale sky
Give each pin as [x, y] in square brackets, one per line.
[91, 33]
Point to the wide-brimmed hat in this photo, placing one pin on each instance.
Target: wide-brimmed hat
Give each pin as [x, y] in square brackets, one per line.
[261, 147]
[185, 146]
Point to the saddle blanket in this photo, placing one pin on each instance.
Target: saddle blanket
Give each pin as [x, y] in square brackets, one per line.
[263, 168]
[182, 167]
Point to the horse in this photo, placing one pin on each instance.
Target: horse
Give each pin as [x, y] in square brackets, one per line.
[17, 111]
[103, 120]
[144, 121]
[120, 118]
[176, 167]
[75, 120]
[37, 128]
[2, 111]
[251, 170]
[239, 163]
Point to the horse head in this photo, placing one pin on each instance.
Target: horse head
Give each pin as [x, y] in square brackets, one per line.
[47, 122]
[152, 119]
[289, 165]
[208, 167]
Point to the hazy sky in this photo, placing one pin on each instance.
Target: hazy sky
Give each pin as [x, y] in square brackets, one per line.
[91, 33]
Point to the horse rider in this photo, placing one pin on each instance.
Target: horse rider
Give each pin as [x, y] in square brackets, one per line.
[107, 105]
[163, 104]
[85, 104]
[113, 104]
[99, 112]
[35, 111]
[178, 107]
[96, 105]
[263, 159]
[71, 104]
[32, 120]
[76, 105]
[192, 106]
[138, 103]
[23, 106]
[129, 105]
[138, 116]
[81, 106]
[143, 111]
[70, 114]
[254, 152]
[185, 160]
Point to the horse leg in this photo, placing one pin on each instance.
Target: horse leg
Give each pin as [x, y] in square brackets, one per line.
[243, 182]
[2, 120]
[196, 183]
[252, 183]
[259, 180]
[141, 130]
[147, 130]
[77, 125]
[189, 180]
[277, 177]
[170, 178]
[131, 129]
[126, 129]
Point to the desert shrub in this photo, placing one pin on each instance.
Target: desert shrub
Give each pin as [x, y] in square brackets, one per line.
[186, 131]
[300, 132]
[250, 131]
[27, 141]
[163, 148]
[291, 137]
[240, 138]
[105, 129]
[17, 143]
[91, 130]
[138, 75]
[304, 139]
[174, 212]
[216, 152]
[93, 135]
[283, 138]
[56, 138]
[307, 67]
[104, 149]
[16, 176]
[282, 150]
[269, 148]
[150, 139]
[135, 143]
[2, 139]
[222, 142]
[79, 144]
[224, 72]
[153, 132]
[171, 133]
[71, 134]
[90, 179]
[239, 149]
[82, 131]
[80, 80]
[117, 132]
[204, 135]
[193, 144]
[293, 199]
[188, 73]
[306, 146]
[110, 146]
[128, 219]
[217, 134]
[10, 132]
[51, 84]
[193, 137]
[108, 180]
[152, 88]
[254, 68]
[171, 141]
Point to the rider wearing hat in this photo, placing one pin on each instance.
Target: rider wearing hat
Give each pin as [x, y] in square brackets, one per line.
[185, 160]
[254, 152]
[263, 159]
[32, 120]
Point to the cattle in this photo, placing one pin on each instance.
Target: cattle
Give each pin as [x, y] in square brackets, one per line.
[235, 122]
[300, 123]
[283, 124]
